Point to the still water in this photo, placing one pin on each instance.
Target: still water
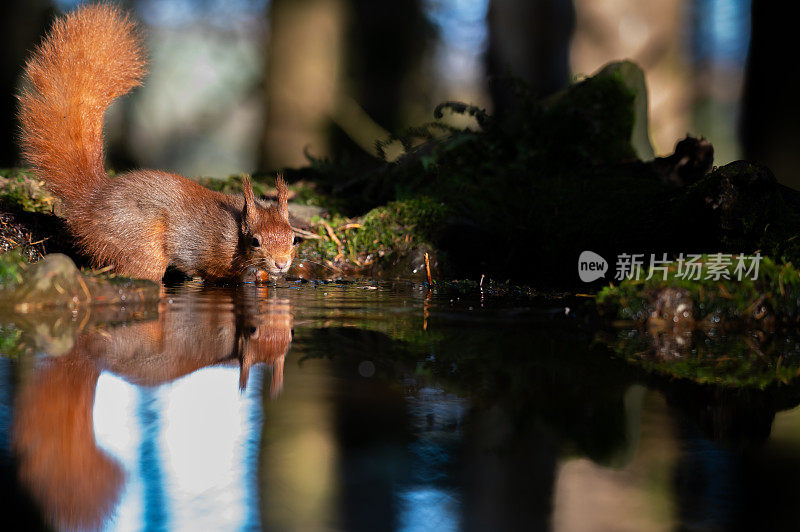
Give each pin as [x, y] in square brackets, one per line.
[350, 406]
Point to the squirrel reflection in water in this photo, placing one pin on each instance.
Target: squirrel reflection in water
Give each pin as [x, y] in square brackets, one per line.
[77, 484]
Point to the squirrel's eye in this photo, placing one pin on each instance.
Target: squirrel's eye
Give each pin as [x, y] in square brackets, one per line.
[296, 240]
[256, 242]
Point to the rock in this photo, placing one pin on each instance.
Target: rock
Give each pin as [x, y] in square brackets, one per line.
[744, 197]
[632, 76]
[408, 265]
[56, 282]
[301, 215]
[672, 307]
[692, 159]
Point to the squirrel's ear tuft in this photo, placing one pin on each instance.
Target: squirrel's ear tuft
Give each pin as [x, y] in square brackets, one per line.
[250, 213]
[283, 196]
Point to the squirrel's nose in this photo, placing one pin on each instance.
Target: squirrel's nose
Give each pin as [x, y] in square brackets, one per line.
[280, 264]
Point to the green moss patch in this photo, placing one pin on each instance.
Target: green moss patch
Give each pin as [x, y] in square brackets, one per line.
[741, 360]
[769, 301]
[394, 229]
[20, 189]
[740, 333]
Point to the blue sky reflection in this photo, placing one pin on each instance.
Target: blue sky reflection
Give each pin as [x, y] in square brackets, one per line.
[185, 447]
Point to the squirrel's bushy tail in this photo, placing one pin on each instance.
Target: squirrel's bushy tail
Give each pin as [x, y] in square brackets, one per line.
[89, 58]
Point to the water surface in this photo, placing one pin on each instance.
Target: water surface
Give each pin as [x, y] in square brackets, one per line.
[372, 406]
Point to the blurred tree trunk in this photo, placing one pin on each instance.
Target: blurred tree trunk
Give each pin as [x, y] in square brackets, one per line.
[771, 109]
[529, 39]
[304, 63]
[21, 26]
[338, 72]
[653, 34]
[386, 40]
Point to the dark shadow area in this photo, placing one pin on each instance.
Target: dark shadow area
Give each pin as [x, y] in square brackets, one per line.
[770, 108]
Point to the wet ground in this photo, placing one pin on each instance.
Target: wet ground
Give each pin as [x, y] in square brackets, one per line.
[373, 406]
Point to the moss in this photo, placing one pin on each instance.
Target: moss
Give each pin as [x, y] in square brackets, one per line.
[528, 192]
[307, 194]
[395, 228]
[521, 196]
[20, 189]
[772, 298]
[401, 224]
[10, 341]
[602, 109]
[516, 187]
[742, 206]
[233, 184]
[741, 333]
[300, 192]
[737, 360]
[490, 198]
[28, 225]
[12, 265]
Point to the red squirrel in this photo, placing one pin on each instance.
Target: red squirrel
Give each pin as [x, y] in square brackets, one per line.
[141, 221]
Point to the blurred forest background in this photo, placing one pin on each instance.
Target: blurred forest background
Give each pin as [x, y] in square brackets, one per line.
[246, 85]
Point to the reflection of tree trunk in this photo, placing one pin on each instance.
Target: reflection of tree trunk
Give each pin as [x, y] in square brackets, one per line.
[297, 455]
[771, 111]
[303, 75]
[508, 474]
[529, 39]
[20, 25]
[150, 463]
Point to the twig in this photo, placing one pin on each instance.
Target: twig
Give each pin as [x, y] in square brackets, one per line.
[85, 289]
[428, 268]
[331, 234]
[350, 226]
[307, 234]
